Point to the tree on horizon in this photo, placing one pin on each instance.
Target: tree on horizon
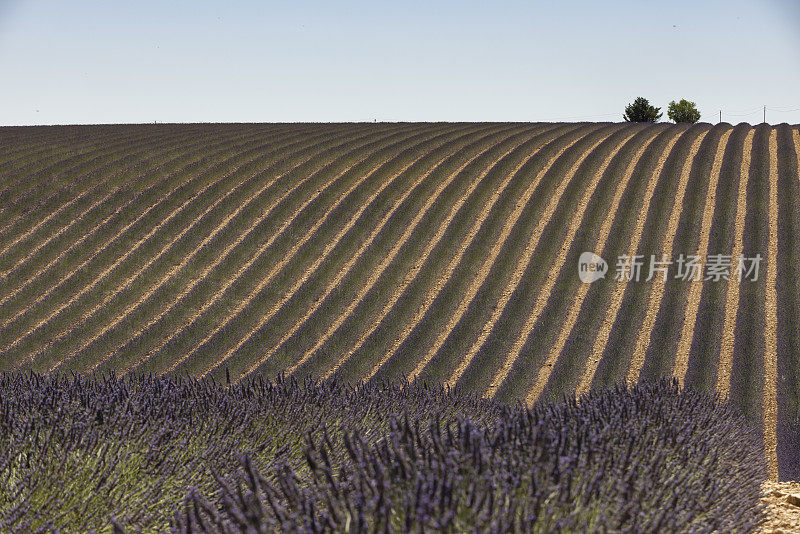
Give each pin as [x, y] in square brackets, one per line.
[641, 111]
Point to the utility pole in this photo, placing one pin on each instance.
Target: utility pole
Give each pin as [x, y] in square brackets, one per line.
[720, 116]
[765, 114]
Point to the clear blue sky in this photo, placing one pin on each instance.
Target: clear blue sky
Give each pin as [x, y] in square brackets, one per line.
[111, 61]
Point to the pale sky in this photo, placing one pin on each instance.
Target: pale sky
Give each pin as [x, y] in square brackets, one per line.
[77, 61]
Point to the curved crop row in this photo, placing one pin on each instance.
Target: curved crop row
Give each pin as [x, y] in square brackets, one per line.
[206, 218]
[437, 262]
[241, 247]
[441, 258]
[85, 229]
[119, 264]
[338, 183]
[368, 262]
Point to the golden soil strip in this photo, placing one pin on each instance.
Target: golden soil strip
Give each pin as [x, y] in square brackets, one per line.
[494, 252]
[242, 304]
[33, 250]
[374, 275]
[544, 294]
[696, 286]
[95, 155]
[186, 259]
[770, 401]
[414, 273]
[454, 261]
[657, 291]
[122, 258]
[53, 214]
[378, 271]
[105, 272]
[519, 270]
[35, 276]
[516, 276]
[732, 300]
[230, 280]
[193, 253]
[605, 230]
[619, 290]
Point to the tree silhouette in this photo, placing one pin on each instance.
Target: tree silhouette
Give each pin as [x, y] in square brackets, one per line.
[641, 111]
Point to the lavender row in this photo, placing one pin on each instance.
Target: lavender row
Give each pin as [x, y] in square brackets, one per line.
[158, 454]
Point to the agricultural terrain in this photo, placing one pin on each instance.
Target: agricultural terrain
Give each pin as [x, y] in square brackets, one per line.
[443, 252]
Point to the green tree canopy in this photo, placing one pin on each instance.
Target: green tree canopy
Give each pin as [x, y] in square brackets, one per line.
[683, 111]
[641, 111]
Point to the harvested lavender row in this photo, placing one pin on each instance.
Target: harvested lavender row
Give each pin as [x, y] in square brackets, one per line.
[159, 454]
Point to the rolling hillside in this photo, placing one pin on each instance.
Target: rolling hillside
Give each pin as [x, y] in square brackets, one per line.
[446, 252]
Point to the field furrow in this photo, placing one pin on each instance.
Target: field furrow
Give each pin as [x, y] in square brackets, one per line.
[168, 261]
[204, 288]
[128, 325]
[540, 188]
[673, 329]
[16, 165]
[331, 188]
[770, 396]
[127, 264]
[387, 244]
[433, 291]
[535, 360]
[615, 344]
[55, 208]
[433, 259]
[616, 351]
[492, 297]
[219, 292]
[735, 355]
[110, 245]
[566, 202]
[28, 269]
[712, 331]
[324, 294]
[559, 212]
[659, 282]
[656, 191]
[43, 178]
[788, 303]
[601, 212]
[469, 302]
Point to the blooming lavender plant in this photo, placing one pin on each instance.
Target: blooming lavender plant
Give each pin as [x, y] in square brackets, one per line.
[148, 454]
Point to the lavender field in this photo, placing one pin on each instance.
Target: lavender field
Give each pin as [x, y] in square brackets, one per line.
[150, 454]
[443, 252]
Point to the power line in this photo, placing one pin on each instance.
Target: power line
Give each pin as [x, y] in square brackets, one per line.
[762, 109]
[782, 110]
[742, 114]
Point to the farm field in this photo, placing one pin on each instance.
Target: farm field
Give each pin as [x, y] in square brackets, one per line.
[443, 252]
